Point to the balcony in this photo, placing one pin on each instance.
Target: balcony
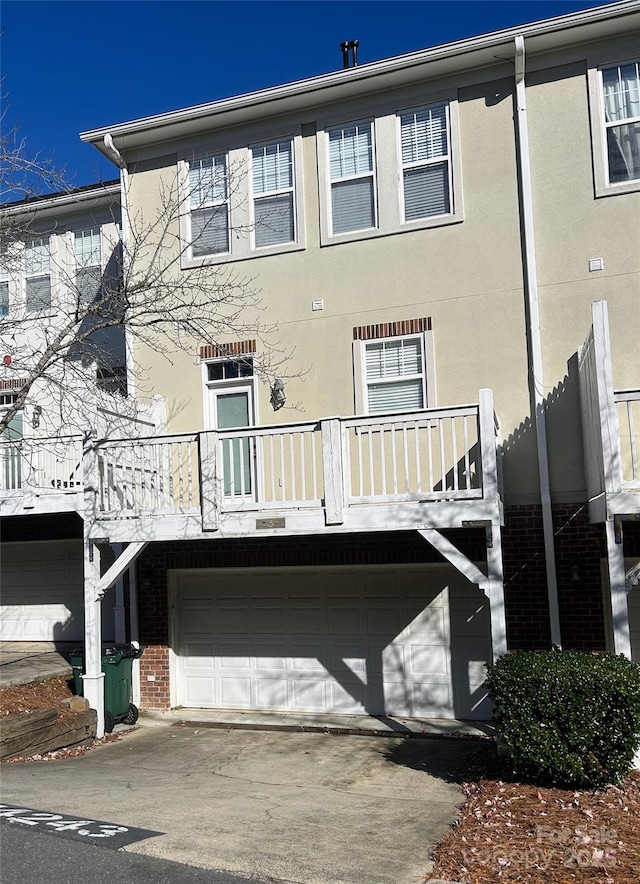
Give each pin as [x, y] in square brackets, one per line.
[611, 428]
[435, 468]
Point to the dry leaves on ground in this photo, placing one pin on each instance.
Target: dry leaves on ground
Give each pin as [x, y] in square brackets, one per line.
[523, 834]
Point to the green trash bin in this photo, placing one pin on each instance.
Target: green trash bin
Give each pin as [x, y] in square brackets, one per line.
[117, 665]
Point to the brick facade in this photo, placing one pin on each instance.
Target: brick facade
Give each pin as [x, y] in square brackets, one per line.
[580, 547]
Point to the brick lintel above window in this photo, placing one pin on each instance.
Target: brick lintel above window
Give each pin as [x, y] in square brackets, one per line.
[228, 351]
[391, 329]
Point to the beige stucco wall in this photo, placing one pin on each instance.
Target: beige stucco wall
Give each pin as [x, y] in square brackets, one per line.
[466, 276]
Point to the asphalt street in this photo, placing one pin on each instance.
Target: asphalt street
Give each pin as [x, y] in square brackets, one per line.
[30, 857]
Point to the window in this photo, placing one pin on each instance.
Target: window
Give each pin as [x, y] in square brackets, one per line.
[273, 197]
[4, 292]
[395, 377]
[38, 274]
[401, 170]
[209, 204]
[88, 255]
[353, 205]
[621, 99]
[424, 148]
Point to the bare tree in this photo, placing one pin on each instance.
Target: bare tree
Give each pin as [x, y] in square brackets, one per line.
[151, 287]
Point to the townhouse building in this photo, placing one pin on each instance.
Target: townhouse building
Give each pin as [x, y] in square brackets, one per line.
[445, 465]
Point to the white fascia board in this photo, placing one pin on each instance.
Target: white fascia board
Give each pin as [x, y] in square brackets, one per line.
[543, 36]
[61, 203]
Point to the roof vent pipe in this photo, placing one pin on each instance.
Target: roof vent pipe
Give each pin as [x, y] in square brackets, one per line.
[349, 47]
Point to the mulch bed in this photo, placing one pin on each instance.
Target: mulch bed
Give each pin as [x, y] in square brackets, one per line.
[514, 832]
[35, 696]
[39, 696]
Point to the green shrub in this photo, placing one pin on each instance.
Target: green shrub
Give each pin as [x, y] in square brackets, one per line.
[567, 718]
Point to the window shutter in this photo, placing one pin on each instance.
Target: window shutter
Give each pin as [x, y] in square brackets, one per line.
[424, 134]
[352, 205]
[274, 220]
[350, 151]
[4, 298]
[272, 167]
[209, 231]
[396, 396]
[88, 281]
[38, 290]
[426, 191]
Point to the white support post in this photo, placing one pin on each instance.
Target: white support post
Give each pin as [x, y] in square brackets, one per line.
[618, 590]
[210, 495]
[93, 678]
[491, 584]
[496, 592]
[134, 632]
[331, 433]
[488, 453]
[118, 610]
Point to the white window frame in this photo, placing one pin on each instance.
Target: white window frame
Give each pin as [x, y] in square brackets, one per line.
[84, 265]
[5, 280]
[388, 171]
[37, 242]
[268, 194]
[599, 126]
[421, 164]
[240, 198]
[214, 203]
[357, 176]
[361, 382]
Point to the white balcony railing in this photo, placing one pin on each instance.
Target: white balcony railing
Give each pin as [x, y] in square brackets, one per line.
[41, 465]
[335, 463]
[610, 419]
[329, 466]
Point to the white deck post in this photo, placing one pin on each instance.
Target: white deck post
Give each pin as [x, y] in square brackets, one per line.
[618, 590]
[330, 430]
[489, 461]
[93, 678]
[120, 633]
[496, 592]
[210, 494]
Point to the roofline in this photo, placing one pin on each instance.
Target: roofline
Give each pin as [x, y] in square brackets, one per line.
[358, 74]
[63, 198]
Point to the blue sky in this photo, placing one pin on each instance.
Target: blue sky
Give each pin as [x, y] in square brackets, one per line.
[74, 65]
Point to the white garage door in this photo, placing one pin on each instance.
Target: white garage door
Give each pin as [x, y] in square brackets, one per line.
[42, 591]
[42, 598]
[633, 600]
[409, 641]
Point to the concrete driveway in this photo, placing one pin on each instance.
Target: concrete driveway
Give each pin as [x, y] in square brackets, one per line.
[310, 808]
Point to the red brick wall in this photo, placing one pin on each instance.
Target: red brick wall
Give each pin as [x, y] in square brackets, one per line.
[154, 663]
[577, 542]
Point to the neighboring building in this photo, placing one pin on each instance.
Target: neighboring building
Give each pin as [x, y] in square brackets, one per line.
[64, 253]
[427, 231]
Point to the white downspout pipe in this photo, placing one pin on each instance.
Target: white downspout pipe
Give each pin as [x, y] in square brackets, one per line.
[535, 347]
[117, 159]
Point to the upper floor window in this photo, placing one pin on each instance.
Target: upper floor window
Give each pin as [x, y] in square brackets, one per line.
[395, 375]
[426, 162]
[209, 205]
[394, 366]
[273, 193]
[398, 171]
[351, 170]
[4, 292]
[242, 200]
[37, 264]
[88, 259]
[621, 97]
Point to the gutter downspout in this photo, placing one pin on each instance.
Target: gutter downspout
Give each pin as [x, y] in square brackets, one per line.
[116, 157]
[535, 348]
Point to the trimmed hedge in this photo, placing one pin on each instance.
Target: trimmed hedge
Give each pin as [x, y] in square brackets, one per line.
[567, 718]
